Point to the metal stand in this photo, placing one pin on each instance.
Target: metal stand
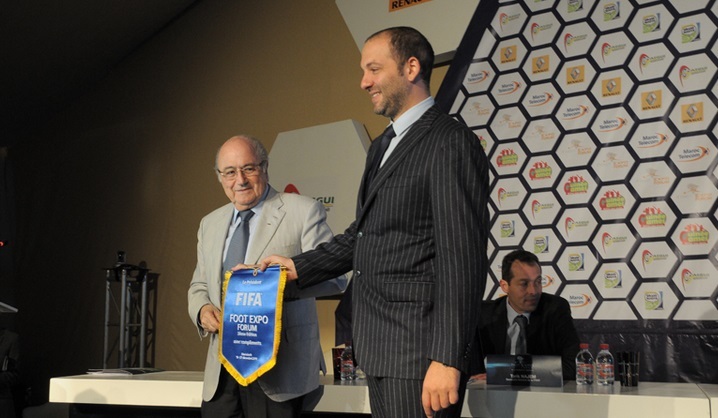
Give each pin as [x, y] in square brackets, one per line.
[130, 318]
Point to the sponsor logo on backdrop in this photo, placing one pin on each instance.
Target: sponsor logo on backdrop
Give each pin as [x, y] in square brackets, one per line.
[571, 224]
[540, 99]
[508, 88]
[575, 184]
[536, 29]
[611, 87]
[575, 112]
[547, 280]
[537, 207]
[327, 201]
[692, 112]
[651, 217]
[687, 277]
[505, 19]
[482, 141]
[540, 64]
[611, 11]
[477, 77]
[651, 23]
[694, 234]
[510, 124]
[615, 124]
[652, 140]
[395, 5]
[503, 194]
[576, 262]
[613, 279]
[685, 71]
[573, 6]
[508, 229]
[541, 245]
[540, 171]
[607, 240]
[647, 258]
[569, 40]
[607, 49]
[645, 60]
[693, 154]
[691, 33]
[481, 110]
[612, 199]
[508, 54]
[575, 74]
[651, 100]
[653, 300]
[579, 301]
[507, 157]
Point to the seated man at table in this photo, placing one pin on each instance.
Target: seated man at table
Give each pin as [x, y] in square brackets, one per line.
[548, 326]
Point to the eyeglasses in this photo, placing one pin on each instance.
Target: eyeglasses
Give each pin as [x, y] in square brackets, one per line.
[249, 170]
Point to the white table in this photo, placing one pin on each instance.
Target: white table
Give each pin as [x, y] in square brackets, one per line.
[184, 389]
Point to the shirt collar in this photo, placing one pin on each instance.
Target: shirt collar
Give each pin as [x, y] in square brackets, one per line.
[511, 313]
[404, 122]
[257, 209]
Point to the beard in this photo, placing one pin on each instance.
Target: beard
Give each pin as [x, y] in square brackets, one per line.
[395, 96]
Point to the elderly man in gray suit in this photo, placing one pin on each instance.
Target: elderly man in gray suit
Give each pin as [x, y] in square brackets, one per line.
[418, 244]
[279, 223]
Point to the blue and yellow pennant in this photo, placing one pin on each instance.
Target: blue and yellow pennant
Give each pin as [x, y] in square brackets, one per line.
[251, 321]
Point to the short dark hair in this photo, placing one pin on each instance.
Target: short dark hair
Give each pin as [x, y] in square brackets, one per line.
[407, 42]
[516, 255]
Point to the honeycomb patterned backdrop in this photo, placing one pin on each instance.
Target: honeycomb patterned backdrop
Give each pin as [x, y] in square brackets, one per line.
[598, 117]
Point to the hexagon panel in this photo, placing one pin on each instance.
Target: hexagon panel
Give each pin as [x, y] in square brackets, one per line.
[611, 14]
[614, 241]
[541, 208]
[653, 219]
[651, 140]
[508, 194]
[614, 280]
[652, 180]
[612, 125]
[577, 225]
[541, 135]
[650, 62]
[614, 202]
[576, 150]
[613, 163]
[581, 298]
[654, 301]
[654, 260]
[543, 242]
[651, 23]
[541, 64]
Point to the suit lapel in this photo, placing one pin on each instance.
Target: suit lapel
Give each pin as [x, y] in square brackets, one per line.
[216, 236]
[267, 224]
[500, 333]
[416, 133]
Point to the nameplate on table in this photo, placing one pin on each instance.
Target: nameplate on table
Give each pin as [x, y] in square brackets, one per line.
[524, 370]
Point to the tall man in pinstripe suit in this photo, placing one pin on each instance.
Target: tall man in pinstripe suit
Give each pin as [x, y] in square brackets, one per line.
[418, 244]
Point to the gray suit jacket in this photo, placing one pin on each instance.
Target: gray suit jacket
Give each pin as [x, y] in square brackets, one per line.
[288, 225]
[418, 250]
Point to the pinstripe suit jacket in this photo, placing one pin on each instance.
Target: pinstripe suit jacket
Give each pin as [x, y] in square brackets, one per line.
[288, 224]
[418, 251]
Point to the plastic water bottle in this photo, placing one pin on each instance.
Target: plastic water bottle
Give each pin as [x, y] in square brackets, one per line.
[604, 366]
[584, 366]
[347, 363]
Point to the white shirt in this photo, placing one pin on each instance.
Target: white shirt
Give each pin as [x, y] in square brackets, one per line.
[404, 122]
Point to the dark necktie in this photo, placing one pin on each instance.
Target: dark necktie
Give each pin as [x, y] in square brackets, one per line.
[522, 321]
[384, 141]
[238, 244]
